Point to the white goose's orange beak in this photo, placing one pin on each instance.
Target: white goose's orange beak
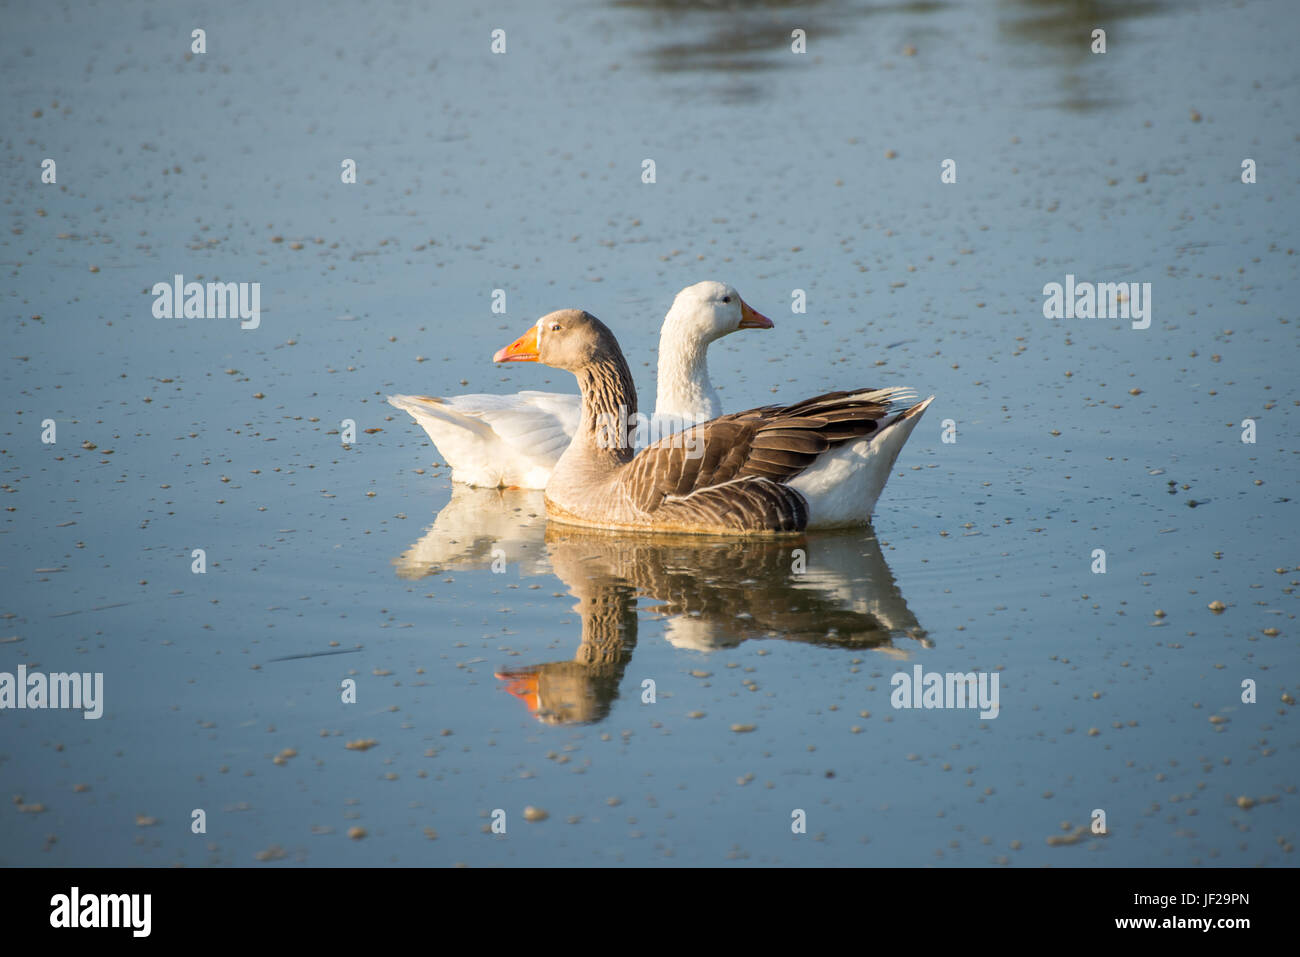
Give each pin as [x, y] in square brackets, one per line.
[749, 319]
[523, 349]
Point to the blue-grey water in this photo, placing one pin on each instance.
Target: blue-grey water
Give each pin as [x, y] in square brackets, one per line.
[769, 696]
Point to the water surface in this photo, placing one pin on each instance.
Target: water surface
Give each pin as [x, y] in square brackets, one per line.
[523, 172]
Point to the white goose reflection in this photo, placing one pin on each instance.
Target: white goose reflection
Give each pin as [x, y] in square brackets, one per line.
[829, 589]
[480, 526]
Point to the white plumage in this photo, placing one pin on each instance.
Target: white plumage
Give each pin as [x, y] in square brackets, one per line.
[515, 440]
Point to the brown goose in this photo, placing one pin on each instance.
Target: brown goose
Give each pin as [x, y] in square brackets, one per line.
[818, 463]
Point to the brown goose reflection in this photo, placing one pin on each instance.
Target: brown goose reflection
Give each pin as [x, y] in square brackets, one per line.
[830, 589]
[583, 689]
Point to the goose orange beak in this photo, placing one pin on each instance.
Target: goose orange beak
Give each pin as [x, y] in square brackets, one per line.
[525, 687]
[523, 349]
[749, 319]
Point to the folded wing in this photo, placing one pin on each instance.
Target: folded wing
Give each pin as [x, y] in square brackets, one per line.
[731, 472]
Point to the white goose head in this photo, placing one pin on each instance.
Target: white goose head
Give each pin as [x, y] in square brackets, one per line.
[710, 310]
[700, 314]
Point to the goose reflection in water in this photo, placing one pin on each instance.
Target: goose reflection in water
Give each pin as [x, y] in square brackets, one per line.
[831, 589]
[478, 527]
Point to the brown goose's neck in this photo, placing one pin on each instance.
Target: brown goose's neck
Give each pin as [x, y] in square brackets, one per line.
[608, 408]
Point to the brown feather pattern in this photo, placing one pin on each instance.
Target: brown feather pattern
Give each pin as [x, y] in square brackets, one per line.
[737, 483]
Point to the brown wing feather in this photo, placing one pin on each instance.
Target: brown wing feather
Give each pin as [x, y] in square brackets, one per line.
[697, 458]
[730, 472]
[743, 505]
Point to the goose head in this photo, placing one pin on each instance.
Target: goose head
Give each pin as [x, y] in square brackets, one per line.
[569, 339]
[700, 315]
[709, 310]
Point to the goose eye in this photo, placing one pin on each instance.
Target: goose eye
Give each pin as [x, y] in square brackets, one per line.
[726, 299]
[555, 327]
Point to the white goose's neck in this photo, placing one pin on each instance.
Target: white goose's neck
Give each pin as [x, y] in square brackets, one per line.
[684, 389]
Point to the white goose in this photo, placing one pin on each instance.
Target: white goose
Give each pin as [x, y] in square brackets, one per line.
[515, 440]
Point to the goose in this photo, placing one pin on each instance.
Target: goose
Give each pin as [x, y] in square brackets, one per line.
[820, 463]
[515, 440]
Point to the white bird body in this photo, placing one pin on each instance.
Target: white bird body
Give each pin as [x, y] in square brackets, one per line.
[497, 440]
[516, 440]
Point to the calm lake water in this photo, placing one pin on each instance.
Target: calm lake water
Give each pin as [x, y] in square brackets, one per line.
[655, 700]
